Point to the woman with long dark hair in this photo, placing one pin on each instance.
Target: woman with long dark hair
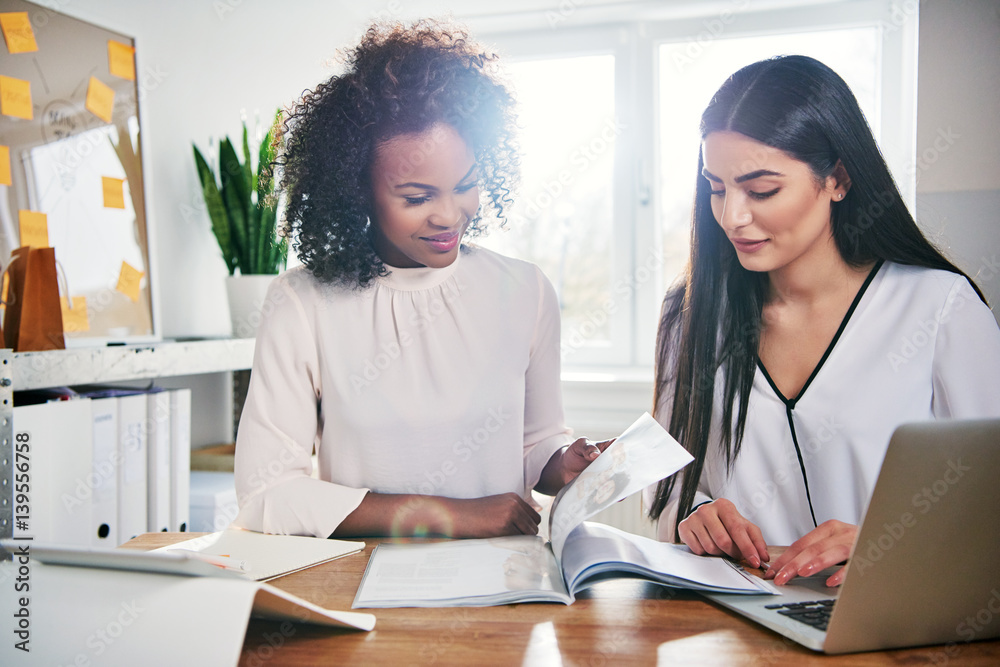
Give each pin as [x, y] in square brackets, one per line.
[813, 319]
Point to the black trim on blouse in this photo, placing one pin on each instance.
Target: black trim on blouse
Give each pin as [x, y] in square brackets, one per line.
[791, 402]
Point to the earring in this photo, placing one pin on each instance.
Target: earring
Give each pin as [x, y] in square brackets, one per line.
[840, 196]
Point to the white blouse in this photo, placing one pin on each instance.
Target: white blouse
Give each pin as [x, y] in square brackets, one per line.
[919, 345]
[440, 382]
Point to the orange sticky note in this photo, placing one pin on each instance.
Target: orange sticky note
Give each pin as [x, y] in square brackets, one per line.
[100, 99]
[5, 165]
[15, 97]
[17, 32]
[114, 196]
[75, 317]
[34, 228]
[6, 284]
[128, 281]
[121, 60]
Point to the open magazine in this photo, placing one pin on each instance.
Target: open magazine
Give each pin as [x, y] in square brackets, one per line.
[526, 568]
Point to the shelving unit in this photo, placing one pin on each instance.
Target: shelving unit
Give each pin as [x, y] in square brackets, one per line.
[57, 368]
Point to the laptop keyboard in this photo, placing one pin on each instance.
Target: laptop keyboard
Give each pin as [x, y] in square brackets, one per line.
[815, 613]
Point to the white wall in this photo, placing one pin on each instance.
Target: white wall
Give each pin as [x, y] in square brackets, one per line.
[958, 135]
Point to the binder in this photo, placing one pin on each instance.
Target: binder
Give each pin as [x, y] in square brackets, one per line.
[158, 462]
[104, 473]
[132, 441]
[180, 459]
[52, 462]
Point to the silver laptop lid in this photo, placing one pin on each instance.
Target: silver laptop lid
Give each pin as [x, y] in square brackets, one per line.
[926, 565]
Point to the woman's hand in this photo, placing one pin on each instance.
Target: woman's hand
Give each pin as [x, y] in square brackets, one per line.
[828, 544]
[405, 515]
[579, 455]
[717, 528]
[493, 516]
[566, 464]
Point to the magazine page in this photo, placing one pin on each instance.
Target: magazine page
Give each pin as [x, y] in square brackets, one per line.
[460, 573]
[593, 549]
[645, 453]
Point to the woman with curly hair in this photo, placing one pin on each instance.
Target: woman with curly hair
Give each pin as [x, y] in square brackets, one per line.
[424, 371]
[814, 319]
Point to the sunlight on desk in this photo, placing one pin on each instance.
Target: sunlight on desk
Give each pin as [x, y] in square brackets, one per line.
[719, 647]
[543, 647]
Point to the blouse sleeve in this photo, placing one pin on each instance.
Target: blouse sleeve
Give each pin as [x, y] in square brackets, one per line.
[279, 428]
[545, 430]
[966, 370]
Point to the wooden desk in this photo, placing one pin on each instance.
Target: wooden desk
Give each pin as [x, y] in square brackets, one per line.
[614, 623]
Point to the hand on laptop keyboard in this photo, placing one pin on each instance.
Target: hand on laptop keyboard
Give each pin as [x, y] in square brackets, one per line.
[827, 545]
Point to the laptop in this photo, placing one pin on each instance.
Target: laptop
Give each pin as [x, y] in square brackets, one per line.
[926, 564]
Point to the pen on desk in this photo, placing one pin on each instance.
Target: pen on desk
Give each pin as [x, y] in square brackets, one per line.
[226, 562]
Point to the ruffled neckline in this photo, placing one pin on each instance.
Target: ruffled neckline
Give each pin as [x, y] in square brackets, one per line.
[419, 278]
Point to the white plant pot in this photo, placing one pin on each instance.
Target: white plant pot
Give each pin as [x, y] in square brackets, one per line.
[248, 303]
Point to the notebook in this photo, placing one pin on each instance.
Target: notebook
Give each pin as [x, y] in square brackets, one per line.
[926, 564]
[265, 556]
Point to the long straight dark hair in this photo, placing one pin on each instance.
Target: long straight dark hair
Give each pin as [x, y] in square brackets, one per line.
[712, 318]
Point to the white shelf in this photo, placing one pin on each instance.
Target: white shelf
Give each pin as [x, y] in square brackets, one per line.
[90, 365]
[56, 368]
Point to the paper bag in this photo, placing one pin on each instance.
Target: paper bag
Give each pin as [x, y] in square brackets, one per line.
[33, 315]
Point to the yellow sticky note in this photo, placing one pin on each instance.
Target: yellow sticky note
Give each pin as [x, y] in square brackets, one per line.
[128, 281]
[18, 33]
[5, 165]
[100, 99]
[6, 284]
[15, 97]
[34, 228]
[114, 196]
[121, 60]
[75, 317]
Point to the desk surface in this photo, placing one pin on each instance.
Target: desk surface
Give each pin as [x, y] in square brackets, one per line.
[613, 623]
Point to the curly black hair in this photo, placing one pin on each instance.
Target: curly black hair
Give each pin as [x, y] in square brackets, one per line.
[399, 80]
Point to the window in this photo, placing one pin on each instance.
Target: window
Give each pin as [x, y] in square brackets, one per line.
[563, 219]
[610, 97]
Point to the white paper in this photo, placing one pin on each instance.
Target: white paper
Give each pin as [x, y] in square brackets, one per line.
[268, 556]
[645, 453]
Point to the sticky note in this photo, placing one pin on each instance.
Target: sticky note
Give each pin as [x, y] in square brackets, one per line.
[75, 317]
[5, 165]
[128, 281]
[121, 60]
[15, 97]
[114, 196]
[34, 228]
[6, 284]
[100, 99]
[17, 32]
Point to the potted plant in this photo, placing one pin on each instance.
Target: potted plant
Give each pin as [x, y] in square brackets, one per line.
[242, 206]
